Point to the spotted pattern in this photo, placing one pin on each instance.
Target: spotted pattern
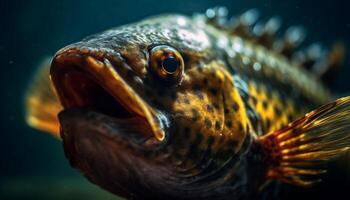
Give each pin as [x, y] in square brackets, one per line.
[208, 104]
[276, 93]
[274, 111]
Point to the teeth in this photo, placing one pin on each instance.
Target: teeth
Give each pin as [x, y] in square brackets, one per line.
[106, 74]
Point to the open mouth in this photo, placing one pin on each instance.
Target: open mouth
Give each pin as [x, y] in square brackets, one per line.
[83, 81]
[80, 90]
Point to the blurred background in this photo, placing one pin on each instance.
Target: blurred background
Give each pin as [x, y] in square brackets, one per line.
[32, 164]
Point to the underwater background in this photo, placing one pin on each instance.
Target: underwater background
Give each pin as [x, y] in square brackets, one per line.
[32, 164]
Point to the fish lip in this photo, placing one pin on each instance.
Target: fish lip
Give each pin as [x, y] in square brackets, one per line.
[101, 67]
[78, 123]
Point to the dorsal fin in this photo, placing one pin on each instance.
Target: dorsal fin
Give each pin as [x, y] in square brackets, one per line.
[325, 64]
[265, 33]
[217, 16]
[242, 25]
[293, 37]
[314, 58]
[308, 57]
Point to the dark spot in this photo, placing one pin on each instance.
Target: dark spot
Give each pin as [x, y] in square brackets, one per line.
[197, 87]
[226, 111]
[268, 123]
[282, 125]
[265, 104]
[290, 117]
[195, 114]
[239, 127]
[207, 123]
[235, 106]
[217, 106]
[254, 100]
[205, 81]
[283, 99]
[210, 108]
[199, 95]
[213, 91]
[277, 110]
[217, 125]
[186, 101]
[228, 123]
[220, 81]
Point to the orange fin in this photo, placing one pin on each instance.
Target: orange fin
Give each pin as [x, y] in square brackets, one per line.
[41, 103]
[297, 151]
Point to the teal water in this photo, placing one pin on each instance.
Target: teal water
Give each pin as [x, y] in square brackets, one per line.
[32, 164]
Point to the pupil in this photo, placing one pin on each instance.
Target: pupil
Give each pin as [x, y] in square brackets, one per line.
[170, 64]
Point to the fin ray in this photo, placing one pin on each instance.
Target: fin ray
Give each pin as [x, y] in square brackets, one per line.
[41, 103]
[319, 136]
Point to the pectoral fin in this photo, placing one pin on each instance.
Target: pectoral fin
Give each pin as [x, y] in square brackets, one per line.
[297, 151]
[41, 103]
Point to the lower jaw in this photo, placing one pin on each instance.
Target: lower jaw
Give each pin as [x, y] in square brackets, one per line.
[109, 154]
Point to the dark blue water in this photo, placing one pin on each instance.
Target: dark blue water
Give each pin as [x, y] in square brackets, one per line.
[32, 164]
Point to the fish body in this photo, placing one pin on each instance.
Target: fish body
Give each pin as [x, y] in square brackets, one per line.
[178, 107]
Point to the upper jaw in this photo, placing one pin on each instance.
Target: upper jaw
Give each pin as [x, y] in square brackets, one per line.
[81, 76]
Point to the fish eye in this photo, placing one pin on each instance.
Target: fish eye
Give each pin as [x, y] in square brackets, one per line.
[170, 64]
[166, 63]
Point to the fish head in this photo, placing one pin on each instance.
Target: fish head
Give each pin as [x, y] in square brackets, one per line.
[149, 106]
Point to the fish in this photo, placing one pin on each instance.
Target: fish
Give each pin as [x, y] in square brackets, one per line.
[193, 107]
